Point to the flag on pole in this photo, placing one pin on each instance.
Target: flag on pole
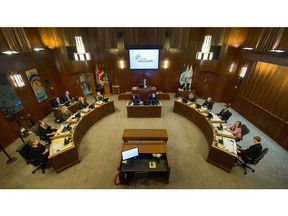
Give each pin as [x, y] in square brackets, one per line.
[105, 75]
[189, 76]
[186, 73]
[182, 75]
[99, 74]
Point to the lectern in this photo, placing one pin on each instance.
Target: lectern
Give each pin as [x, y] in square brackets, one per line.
[107, 88]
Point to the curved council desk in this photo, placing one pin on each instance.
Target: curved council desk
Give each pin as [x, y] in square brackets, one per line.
[219, 155]
[63, 156]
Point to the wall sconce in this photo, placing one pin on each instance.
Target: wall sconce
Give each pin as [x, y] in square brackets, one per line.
[242, 74]
[205, 53]
[17, 80]
[165, 64]
[122, 64]
[81, 54]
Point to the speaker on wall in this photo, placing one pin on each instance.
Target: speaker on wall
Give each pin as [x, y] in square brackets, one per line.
[70, 51]
[216, 52]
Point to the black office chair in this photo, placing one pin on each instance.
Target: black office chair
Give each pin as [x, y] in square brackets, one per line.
[244, 131]
[141, 177]
[245, 160]
[24, 151]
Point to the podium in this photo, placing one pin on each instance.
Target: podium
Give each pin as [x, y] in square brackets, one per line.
[107, 88]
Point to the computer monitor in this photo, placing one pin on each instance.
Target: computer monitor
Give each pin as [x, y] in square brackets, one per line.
[140, 86]
[155, 102]
[78, 115]
[105, 100]
[185, 100]
[130, 153]
[136, 101]
[198, 106]
[209, 115]
[146, 102]
[67, 103]
[91, 106]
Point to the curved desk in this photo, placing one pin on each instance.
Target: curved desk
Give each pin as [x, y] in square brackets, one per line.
[63, 156]
[217, 155]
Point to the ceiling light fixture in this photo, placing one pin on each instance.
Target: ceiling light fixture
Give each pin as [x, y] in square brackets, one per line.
[205, 53]
[81, 54]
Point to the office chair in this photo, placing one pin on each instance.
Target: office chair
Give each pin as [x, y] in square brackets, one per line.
[24, 151]
[246, 160]
[244, 131]
[141, 177]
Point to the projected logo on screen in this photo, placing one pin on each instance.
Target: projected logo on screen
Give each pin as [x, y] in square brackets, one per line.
[144, 58]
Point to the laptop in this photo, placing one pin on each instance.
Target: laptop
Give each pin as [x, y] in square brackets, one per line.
[185, 100]
[136, 102]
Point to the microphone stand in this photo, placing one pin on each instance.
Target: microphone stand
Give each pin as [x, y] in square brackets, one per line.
[11, 160]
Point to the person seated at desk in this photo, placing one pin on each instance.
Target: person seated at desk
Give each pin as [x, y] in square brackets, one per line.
[191, 97]
[82, 103]
[152, 96]
[99, 96]
[145, 83]
[56, 103]
[66, 113]
[225, 113]
[134, 97]
[46, 131]
[184, 86]
[38, 152]
[66, 97]
[208, 103]
[253, 151]
[235, 129]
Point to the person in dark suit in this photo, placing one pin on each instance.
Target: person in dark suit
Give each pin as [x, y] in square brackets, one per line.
[152, 96]
[191, 97]
[145, 83]
[66, 97]
[225, 113]
[38, 151]
[253, 151]
[46, 131]
[99, 96]
[208, 103]
[66, 113]
[56, 103]
[185, 86]
[82, 103]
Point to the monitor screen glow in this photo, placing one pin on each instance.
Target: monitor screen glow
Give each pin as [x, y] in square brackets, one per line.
[130, 153]
[144, 59]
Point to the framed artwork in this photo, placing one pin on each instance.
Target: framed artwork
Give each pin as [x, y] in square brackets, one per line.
[9, 102]
[36, 85]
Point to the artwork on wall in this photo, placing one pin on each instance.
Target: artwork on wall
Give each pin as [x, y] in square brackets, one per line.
[36, 85]
[9, 101]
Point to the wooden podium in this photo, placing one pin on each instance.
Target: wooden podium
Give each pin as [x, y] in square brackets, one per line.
[107, 88]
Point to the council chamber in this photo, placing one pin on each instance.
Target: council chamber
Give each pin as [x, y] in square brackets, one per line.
[153, 108]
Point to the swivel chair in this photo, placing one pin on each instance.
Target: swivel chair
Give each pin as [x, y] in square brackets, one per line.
[245, 160]
[24, 151]
[244, 131]
[35, 130]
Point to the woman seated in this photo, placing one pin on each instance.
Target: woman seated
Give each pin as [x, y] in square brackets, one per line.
[38, 152]
[235, 129]
[46, 131]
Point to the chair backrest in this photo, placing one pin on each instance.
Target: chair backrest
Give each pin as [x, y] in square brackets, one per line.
[244, 130]
[262, 154]
[24, 150]
[35, 129]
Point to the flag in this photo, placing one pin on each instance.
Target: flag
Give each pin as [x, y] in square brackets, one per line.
[105, 75]
[182, 75]
[189, 76]
[99, 73]
[186, 73]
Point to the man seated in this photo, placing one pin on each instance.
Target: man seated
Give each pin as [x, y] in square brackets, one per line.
[208, 103]
[225, 113]
[191, 97]
[56, 103]
[145, 83]
[99, 96]
[82, 103]
[66, 113]
[152, 96]
[38, 152]
[66, 97]
[185, 86]
[134, 97]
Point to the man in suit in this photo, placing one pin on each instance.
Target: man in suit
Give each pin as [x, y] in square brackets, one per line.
[66, 97]
[185, 86]
[191, 97]
[225, 113]
[56, 103]
[82, 103]
[99, 96]
[145, 83]
[66, 113]
[152, 96]
[208, 103]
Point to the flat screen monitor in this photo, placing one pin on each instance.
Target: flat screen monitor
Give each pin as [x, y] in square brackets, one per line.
[91, 106]
[146, 102]
[130, 153]
[140, 86]
[185, 100]
[136, 101]
[144, 58]
[155, 102]
[209, 115]
[198, 106]
[105, 100]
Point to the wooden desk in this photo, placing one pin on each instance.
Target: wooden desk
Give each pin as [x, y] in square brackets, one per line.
[163, 165]
[218, 155]
[184, 93]
[67, 155]
[140, 111]
[143, 92]
[73, 108]
[145, 134]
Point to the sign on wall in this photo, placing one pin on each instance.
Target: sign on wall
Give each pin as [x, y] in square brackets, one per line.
[36, 85]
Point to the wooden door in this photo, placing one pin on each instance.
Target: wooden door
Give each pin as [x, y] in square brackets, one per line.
[206, 84]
